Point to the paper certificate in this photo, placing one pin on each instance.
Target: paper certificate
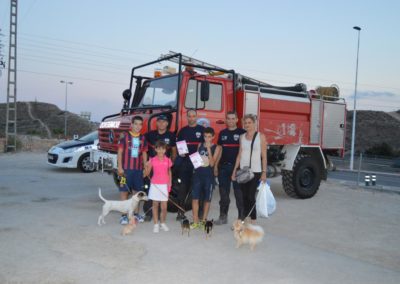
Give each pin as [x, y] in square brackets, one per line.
[196, 159]
[182, 147]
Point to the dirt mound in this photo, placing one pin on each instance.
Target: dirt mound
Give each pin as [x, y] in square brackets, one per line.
[373, 128]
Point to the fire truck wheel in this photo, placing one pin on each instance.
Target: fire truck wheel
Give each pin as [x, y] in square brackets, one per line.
[304, 180]
[85, 165]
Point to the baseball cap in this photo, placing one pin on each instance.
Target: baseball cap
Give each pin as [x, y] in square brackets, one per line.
[162, 117]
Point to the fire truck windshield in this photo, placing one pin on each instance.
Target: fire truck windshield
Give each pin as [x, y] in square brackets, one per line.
[159, 92]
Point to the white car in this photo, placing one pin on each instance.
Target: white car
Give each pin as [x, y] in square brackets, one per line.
[74, 153]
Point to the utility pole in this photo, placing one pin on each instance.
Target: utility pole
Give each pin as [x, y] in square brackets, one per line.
[11, 115]
[65, 110]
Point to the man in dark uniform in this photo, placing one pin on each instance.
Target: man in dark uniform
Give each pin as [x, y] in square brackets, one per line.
[193, 135]
[161, 133]
[229, 140]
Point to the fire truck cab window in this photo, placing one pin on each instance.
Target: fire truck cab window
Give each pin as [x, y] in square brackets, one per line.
[160, 92]
[214, 102]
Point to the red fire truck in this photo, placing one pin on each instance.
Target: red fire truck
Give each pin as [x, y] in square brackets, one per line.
[301, 127]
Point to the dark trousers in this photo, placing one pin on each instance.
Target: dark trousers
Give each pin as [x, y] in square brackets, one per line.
[225, 181]
[249, 190]
[185, 173]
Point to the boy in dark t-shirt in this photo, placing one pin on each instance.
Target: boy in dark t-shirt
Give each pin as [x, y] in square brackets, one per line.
[203, 178]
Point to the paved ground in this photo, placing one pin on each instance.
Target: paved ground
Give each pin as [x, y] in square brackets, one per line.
[48, 234]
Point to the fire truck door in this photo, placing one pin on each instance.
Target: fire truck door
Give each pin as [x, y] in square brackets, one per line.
[252, 104]
[333, 125]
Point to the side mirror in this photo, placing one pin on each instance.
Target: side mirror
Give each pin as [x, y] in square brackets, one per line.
[205, 91]
[127, 94]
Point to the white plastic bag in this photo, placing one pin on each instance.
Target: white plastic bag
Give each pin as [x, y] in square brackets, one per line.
[265, 202]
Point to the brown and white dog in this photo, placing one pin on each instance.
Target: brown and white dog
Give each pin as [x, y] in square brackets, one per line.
[126, 206]
[247, 234]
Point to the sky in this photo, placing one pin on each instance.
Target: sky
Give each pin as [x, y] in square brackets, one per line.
[95, 44]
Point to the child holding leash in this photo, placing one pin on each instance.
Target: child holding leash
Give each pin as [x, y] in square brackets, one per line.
[160, 185]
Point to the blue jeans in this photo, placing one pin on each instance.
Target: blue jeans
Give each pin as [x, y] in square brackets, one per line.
[202, 186]
[224, 179]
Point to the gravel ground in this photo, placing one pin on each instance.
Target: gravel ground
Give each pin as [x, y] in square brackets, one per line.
[49, 234]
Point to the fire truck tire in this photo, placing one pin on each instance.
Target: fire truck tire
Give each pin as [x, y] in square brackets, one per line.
[304, 180]
[85, 165]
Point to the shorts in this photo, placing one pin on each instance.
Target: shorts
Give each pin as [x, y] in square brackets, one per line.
[158, 192]
[134, 181]
[202, 187]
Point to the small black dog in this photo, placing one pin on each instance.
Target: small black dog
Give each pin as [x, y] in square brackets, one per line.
[185, 225]
[208, 227]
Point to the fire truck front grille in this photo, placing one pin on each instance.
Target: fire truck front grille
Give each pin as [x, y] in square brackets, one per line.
[108, 141]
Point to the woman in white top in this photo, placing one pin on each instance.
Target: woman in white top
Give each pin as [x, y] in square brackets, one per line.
[258, 163]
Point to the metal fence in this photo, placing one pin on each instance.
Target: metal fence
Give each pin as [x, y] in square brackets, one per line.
[368, 163]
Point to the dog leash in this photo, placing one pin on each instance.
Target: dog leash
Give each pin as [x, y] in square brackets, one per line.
[170, 200]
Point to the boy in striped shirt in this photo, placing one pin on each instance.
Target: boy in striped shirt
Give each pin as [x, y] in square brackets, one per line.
[132, 156]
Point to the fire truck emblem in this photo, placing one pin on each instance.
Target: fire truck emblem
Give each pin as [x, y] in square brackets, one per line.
[111, 136]
[236, 137]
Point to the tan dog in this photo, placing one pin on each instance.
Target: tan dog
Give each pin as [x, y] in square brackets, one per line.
[128, 229]
[247, 234]
[126, 206]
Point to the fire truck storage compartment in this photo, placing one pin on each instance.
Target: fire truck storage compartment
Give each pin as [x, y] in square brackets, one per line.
[252, 104]
[316, 115]
[333, 125]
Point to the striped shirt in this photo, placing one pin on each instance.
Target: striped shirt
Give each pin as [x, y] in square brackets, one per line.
[133, 147]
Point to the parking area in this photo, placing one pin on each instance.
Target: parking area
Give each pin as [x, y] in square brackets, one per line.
[49, 234]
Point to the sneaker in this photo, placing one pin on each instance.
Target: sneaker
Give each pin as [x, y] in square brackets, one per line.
[124, 220]
[194, 226]
[139, 218]
[156, 228]
[164, 227]
[222, 220]
[202, 225]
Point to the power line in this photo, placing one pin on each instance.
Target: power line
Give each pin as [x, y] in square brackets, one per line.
[27, 11]
[89, 44]
[73, 77]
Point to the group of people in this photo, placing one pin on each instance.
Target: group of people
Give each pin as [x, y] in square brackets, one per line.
[155, 154]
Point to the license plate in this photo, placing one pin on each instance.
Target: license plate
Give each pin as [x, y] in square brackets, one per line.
[50, 157]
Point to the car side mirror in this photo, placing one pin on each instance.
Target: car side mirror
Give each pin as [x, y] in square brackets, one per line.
[205, 91]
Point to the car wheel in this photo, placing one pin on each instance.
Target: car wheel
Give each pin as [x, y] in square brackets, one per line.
[85, 165]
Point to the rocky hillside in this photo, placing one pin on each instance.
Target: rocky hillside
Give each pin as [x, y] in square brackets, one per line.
[373, 128]
[45, 120]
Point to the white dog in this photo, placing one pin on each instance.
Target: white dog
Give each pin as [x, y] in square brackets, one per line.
[126, 206]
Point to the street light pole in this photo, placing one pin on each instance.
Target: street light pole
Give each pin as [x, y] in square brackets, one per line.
[353, 132]
[65, 110]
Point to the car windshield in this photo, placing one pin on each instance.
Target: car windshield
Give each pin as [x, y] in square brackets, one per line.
[89, 137]
[160, 92]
